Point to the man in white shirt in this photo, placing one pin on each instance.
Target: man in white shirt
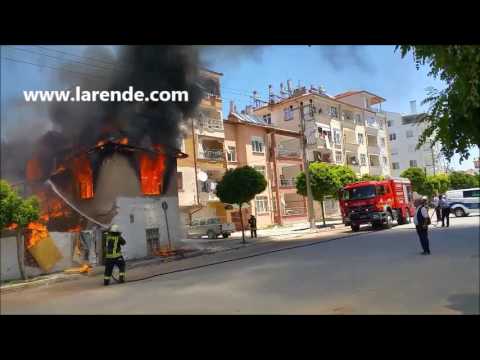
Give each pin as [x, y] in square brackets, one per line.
[445, 205]
[421, 221]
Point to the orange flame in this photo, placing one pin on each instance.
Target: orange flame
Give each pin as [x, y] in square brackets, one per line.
[152, 168]
[123, 141]
[84, 176]
[36, 233]
[12, 226]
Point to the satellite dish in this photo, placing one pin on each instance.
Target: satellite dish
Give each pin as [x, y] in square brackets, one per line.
[202, 176]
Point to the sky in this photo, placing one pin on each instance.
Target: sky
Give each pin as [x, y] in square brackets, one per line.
[378, 69]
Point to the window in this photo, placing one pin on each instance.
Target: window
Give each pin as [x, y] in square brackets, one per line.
[393, 137]
[409, 133]
[395, 166]
[360, 138]
[336, 137]
[363, 159]
[347, 115]
[333, 112]
[385, 161]
[413, 163]
[260, 169]
[471, 193]
[257, 144]
[153, 241]
[288, 113]
[231, 154]
[389, 123]
[261, 204]
[179, 181]
[267, 118]
[338, 156]
[182, 146]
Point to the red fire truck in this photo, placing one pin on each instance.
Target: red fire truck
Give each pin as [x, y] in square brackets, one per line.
[377, 203]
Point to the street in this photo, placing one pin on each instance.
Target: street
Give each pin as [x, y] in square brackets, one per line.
[379, 272]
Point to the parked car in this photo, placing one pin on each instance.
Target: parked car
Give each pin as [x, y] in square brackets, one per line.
[211, 227]
[463, 202]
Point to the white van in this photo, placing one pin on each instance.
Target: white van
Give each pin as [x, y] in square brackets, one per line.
[464, 202]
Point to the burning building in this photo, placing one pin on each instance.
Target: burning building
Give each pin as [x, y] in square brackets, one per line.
[104, 163]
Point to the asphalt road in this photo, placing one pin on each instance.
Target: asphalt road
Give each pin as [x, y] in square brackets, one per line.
[379, 272]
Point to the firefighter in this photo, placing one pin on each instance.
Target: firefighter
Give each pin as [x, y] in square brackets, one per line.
[113, 254]
[253, 226]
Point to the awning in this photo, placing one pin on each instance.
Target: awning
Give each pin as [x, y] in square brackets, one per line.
[323, 126]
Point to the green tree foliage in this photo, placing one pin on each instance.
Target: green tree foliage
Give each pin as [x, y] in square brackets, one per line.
[452, 119]
[324, 180]
[367, 177]
[344, 174]
[239, 186]
[417, 177]
[462, 180]
[436, 185]
[15, 209]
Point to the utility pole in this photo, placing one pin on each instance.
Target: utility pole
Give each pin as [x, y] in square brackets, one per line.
[311, 213]
[433, 158]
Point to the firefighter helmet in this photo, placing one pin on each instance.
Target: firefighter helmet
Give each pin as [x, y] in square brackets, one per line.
[114, 228]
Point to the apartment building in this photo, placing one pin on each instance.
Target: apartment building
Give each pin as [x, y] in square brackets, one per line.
[344, 129]
[404, 132]
[276, 153]
[203, 142]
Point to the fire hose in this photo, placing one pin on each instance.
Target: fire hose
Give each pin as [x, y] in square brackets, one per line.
[69, 203]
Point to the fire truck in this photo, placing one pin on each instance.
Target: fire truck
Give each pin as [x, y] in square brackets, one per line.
[378, 203]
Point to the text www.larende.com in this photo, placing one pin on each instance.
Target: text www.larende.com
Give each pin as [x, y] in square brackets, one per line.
[79, 95]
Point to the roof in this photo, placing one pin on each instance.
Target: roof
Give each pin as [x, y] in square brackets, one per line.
[377, 98]
[211, 71]
[414, 118]
[254, 119]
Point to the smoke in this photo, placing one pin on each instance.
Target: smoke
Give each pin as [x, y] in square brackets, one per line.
[341, 56]
[214, 55]
[83, 124]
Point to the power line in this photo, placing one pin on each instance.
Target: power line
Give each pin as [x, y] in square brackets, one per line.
[75, 55]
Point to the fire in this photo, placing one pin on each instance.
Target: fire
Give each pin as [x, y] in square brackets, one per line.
[100, 143]
[75, 229]
[12, 226]
[84, 176]
[34, 171]
[152, 168]
[123, 141]
[36, 233]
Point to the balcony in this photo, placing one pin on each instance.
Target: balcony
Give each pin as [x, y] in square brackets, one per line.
[351, 147]
[211, 155]
[373, 149]
[287, 182]
[375, 170]
[289, 153]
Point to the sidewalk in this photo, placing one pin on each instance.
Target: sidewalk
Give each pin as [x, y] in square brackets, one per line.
[193, 248]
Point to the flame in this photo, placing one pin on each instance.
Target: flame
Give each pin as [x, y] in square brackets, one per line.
[36, 233]
[123, 141]
[12, 226]
[34, 171]
[101, 142]
[84, 176]
[152, 168]
[75, 229]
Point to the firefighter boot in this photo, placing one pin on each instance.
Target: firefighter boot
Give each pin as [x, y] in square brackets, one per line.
[106, 282]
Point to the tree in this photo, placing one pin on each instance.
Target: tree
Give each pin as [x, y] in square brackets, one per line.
[239, 186]
[16, 210]
[417, 177]
[452, 119]
[368, 177]
[436, 185]
[324, 181]
[344, 174]
[462, 180]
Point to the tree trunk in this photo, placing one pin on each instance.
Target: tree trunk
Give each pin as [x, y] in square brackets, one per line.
[241, 222]
[323, 212]
[20, 253]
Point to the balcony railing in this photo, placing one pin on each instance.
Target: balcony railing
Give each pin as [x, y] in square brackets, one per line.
[216, 155]
[375, 170]
[349, 124]
[287, 182]
[373, 149]
[282, 152]
[350, 146]
[211, 124]
[294, 211]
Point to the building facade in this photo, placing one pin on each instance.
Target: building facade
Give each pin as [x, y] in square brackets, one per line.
[404, 133]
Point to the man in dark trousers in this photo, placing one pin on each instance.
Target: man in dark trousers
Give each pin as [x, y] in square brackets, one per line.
[113, 254]
[445, 205]
[253, 226]
[421, 221]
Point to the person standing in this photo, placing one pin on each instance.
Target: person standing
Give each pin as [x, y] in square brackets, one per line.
[438, 209]
[421, 221]
[113, 242]
[253, 226]
[445, 205]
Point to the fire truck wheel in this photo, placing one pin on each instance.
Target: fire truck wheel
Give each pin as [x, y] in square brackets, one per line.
[355, 228]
